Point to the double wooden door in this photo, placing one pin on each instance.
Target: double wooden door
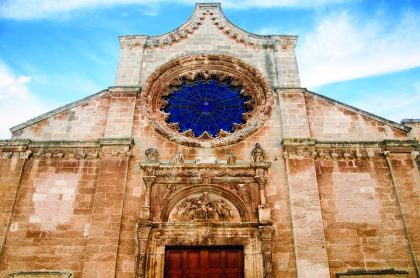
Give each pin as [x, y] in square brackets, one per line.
[226, 262]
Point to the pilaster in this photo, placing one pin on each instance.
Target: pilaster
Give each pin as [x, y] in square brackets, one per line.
[308, 230]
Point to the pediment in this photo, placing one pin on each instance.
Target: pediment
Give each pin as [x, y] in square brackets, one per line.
[211, 16]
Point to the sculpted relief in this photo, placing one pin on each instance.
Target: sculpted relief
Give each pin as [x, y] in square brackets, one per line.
[204, 207]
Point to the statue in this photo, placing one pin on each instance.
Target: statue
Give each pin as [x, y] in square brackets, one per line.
[203, 208]
[178, 158]
[151, 154]
[257, 153]
[231, 159]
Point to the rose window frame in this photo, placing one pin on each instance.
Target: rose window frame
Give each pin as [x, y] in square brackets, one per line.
[172, 75]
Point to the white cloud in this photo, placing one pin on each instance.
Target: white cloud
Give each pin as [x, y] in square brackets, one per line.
[17, 103]
[395, 106]
[268, 31]
[36, 9]
[344, 47]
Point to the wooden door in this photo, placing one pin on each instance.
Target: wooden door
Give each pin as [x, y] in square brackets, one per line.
[215, 262]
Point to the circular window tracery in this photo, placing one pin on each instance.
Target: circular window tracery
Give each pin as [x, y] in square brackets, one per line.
[207, 108]
[206, 100]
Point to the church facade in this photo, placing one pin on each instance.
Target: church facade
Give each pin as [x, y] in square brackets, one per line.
[208, 159]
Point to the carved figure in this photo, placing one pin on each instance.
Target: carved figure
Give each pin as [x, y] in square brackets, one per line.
[257, 153]
[151, 154]
[178, 158]
[203, 208]
[231, 159]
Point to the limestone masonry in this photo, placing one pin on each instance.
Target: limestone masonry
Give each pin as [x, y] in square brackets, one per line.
[300, 185]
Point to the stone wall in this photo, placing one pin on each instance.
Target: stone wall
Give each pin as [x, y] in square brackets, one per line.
[67, 210]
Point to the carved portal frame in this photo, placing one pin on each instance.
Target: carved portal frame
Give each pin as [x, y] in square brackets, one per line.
[167, 185]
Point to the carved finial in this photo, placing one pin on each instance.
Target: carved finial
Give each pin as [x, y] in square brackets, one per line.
[370, 153]
[386, 153]
[231, 159]
[152, 154]
[178, 158]
[257, 153]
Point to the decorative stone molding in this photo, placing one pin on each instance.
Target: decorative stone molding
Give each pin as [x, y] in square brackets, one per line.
[213, 13]
[41, 274]
[337, 150]
[129, 42]
[362, 273]
[286, 42]
[65, 149]
[168, 76]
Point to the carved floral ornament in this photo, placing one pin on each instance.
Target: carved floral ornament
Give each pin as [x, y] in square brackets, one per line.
[202, 70]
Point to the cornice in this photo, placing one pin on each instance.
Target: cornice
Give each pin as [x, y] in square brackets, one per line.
[299, 148]
[66, 149]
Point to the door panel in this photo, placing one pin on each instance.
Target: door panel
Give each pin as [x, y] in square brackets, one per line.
[206, 262]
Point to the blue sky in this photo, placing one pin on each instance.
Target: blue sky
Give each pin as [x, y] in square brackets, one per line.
[363, 53]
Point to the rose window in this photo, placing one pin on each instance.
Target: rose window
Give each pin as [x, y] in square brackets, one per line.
[206, 108]
[206, 100]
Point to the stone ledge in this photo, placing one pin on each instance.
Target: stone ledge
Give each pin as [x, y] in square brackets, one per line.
[42, 274]
[66, 144]
[224, 225]
[66, 149]
[298, 148]
[369, 273]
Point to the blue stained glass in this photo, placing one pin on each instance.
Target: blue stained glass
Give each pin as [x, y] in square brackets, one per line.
[206, 106]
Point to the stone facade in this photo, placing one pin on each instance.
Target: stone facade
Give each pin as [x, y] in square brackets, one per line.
[307, 186]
